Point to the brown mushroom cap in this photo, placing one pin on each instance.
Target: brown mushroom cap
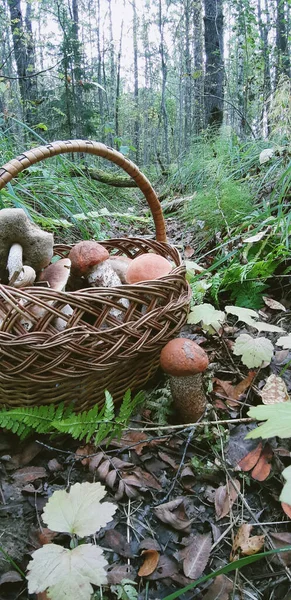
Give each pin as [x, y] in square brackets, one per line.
[182, 357]
[147, 267]
[85, 255]
[57, 274]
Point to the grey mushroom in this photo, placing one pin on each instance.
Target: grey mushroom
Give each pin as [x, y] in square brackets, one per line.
[22, 243]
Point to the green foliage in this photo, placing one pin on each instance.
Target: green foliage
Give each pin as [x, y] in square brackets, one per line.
[98, 422]
[277, 417]
[159, 402]
[248, 294]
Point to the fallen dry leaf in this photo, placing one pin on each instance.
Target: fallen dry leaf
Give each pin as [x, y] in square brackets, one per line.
[188, 251]
[187, 478]
[30, 451]
[244, 545]
[196, 555]
[46, 535]
[280, 540]
[220, 589]
[173, 513]
[168, 460]
[28, 474]
[10, 577]
[250, 460]
[286, 509]
[225, 497]
[273, 304]
[151, 560]
[233, 392]
[42, 596]
[117, 573]
[263, 467]
[274, 390]
[85, 451]
[167, 567]
[137, 440]
[116, 541]
[54, 466]
[149, 544]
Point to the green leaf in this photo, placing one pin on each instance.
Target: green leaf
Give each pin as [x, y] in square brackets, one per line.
[253, 351]
[41, 126]
[285, 495]
[246, 315]
[208, 315]
[277, 417]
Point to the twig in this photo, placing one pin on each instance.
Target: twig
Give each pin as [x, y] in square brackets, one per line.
[190, 425]
[166, 497]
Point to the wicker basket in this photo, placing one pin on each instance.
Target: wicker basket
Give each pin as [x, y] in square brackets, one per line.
[96, 351]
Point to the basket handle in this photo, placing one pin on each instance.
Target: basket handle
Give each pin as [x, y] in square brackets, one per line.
[25, 160]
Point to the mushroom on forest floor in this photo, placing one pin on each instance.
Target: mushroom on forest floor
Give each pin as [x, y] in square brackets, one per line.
[22, 243]
[185, 362]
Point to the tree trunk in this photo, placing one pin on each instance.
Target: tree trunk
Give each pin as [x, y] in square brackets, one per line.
[214, 66]
[198, 66]
[283, 59]
[164, 113]
[24, 56]
[187, 77]
[135, 71]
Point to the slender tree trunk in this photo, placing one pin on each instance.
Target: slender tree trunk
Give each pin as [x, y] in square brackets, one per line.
[198, 100]
[117, 99]
[99, 74]
[283, 58]
[214, 66]
[112, 77]
[164, 113]
[187, 76]
[136, 94]
[264, 30]
[77, 83]
[24, 56]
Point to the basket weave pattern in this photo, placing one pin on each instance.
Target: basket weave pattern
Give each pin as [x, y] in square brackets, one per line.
[97, 350]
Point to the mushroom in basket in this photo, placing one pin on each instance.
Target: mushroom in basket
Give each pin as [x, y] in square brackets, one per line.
[22, 244]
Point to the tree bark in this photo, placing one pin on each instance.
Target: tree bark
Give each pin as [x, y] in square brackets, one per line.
[136, 93]
[214, 66]
[283, 59]
[24, 56]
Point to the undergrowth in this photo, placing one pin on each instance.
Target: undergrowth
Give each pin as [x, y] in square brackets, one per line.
[97, 423]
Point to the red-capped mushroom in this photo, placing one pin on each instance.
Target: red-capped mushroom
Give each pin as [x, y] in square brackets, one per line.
[147, 267]
[86, 255]
[184, 361]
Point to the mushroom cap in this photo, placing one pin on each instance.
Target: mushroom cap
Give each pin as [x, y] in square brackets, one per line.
[147, 267]
[57, 274]
[85, 255]
[37, 245]
[181, 357]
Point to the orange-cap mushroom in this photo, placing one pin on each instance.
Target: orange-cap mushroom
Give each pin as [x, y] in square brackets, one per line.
[147, 267]
[185, 362]
[85, 255]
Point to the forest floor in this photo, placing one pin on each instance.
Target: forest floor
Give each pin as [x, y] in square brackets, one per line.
[186, 502]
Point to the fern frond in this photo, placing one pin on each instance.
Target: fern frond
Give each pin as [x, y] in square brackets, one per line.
[24, 421]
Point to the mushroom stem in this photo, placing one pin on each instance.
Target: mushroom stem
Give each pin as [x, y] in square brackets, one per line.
[189, 397]
[26, 277]
[14, 262]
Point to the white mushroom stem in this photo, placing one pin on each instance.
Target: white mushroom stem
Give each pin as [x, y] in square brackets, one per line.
[25, 278]
[14, 262]
[61, 324]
